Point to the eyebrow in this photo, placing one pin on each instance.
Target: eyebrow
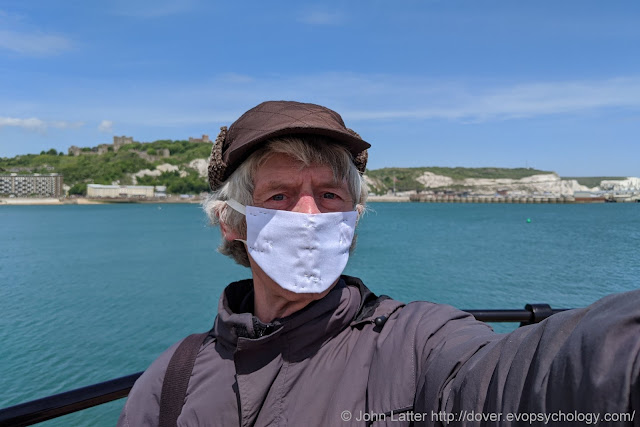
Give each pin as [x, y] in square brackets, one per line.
[277, 185]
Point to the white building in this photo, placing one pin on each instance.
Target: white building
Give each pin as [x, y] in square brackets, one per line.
[49, 185]
[119, 191]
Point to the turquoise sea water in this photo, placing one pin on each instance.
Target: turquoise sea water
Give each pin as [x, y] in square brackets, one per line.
[90, 293]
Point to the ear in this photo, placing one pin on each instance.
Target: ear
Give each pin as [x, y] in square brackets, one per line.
[360, 209]
[228, 233]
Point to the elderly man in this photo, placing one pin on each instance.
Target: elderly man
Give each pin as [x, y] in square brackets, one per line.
[300, 344]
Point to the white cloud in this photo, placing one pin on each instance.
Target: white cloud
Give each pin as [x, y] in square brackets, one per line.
[518, 101]
[106, 126]
[357, 97]
[34, 44]
[375, 97]
[30, 124]
[36, 124]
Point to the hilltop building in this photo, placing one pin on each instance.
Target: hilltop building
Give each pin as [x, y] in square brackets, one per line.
[15, 185]
[74, 151]
[205, 138]
[100, 149]
[119, 141]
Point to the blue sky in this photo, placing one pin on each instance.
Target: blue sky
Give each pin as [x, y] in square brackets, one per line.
[546, 84]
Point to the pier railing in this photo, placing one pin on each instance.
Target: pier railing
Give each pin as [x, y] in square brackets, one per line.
[40, 410]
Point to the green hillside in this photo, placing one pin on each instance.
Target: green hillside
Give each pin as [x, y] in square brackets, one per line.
[118, 166]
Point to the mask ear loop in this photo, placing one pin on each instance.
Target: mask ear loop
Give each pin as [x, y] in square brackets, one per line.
[360, 210]
[236, 206]
[240, 208]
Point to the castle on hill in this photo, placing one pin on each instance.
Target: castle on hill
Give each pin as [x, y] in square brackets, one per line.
[119, 141]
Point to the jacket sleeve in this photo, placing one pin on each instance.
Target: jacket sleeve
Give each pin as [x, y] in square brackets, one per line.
[577, 365]
[143, 403]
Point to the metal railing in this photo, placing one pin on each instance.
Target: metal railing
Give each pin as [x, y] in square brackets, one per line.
[40, 410]
[37, 411]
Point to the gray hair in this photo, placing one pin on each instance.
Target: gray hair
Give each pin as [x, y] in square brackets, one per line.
[308, 150]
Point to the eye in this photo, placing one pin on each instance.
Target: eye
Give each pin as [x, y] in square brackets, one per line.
[278, 197]
[329, 195]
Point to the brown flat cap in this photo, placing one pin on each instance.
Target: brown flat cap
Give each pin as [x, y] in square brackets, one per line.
[273, 119]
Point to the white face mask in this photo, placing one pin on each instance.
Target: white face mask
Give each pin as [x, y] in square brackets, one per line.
[303, 253]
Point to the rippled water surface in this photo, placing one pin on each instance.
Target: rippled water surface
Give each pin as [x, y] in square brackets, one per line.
[90, 293]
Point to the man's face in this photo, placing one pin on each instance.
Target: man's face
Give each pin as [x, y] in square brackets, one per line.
[283, 183]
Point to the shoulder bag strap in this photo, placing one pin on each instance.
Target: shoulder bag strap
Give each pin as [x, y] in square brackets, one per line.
[176, 379]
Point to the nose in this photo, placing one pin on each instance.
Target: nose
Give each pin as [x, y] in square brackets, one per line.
[306, 204]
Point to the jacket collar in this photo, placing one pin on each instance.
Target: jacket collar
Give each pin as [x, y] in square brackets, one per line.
[349, 302]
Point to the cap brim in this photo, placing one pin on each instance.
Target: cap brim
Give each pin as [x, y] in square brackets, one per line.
[242, 150]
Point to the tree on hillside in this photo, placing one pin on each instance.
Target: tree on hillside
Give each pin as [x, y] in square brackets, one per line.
[79, 189]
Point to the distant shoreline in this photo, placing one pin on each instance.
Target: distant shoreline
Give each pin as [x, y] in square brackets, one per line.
[17, 201]
[28, 201]
[388, 198]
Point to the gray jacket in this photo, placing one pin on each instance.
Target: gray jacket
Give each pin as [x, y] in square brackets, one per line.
[355, 359]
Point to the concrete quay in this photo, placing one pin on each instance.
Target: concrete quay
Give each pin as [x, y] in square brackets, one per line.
[432, 198]
[500, 199]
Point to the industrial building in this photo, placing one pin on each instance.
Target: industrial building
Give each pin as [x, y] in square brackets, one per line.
[119, 191]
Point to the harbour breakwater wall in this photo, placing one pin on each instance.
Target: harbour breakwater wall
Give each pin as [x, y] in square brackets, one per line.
[515, 199]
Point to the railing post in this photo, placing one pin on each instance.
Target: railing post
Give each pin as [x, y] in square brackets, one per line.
[539, 312]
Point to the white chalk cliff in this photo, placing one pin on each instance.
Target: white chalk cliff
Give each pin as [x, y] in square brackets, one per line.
[629, 184]
[165, 167]
[550, 184]
[201, 166]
